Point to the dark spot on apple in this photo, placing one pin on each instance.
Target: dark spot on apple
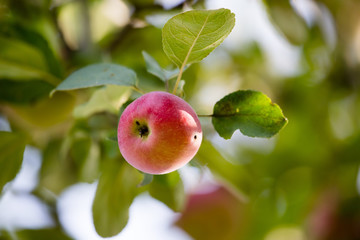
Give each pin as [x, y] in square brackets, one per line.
[195, 137]
[143, 131]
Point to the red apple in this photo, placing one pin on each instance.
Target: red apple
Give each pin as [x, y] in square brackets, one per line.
[159, 133]
[213, 215]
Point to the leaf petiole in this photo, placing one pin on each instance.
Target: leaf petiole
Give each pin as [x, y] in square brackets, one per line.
[137, 89]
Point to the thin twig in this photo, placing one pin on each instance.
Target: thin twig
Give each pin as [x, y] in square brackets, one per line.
[137, 89]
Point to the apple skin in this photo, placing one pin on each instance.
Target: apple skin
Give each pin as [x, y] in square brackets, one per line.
[158, 133]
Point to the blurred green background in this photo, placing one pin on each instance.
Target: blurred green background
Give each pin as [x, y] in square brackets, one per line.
[304, 183]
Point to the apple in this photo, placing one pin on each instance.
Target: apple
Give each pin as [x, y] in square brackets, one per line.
[215, 214]
[158, 133]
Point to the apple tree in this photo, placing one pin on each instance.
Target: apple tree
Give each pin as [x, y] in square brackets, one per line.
[116, 102]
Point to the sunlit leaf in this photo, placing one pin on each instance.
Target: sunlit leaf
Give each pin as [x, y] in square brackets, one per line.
[116, 190]
[108, 99]
[98, 75]
[12, 146]
[191, 36]
[250, 111]
[169, 189]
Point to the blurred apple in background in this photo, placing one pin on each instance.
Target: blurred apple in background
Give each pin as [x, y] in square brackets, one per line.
[159, 133]
[334, 217]
[213, 214]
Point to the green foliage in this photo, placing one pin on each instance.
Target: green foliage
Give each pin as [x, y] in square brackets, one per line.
[153, 67]
[57, 170]
[26, 55]
[250, 111]
[108, 99]
[14, 32]
[42, 234]
[23, 92]
[12, 148]
[308, 171]
[18, 72]
[115, 192]
[287, 20]
[147, 179]
[191, 36]
[226, 172]
[98, 75]
[168, 189]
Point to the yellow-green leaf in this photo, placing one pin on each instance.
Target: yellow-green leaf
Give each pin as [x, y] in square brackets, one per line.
[191, 36]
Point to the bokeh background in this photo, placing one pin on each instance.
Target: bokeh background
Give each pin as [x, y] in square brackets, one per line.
[302, 184]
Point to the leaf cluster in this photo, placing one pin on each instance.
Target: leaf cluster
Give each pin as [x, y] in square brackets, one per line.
[63, 89]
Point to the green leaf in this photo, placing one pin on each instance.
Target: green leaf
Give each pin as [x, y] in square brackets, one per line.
[17, 51]
[16, 71]
[47, 111]
[42, 234]
[233, 175]
[285, 17]
[22, 61]
[98, 75]
[153, 66]
[250, 111]
[109, 98]
[155, 69]
[15, 31]
[148, 178]
[58, 171]
[86, 154]
[23, 92]
[169, 189]
[12, 147]
[116, 190]
[191, 36]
